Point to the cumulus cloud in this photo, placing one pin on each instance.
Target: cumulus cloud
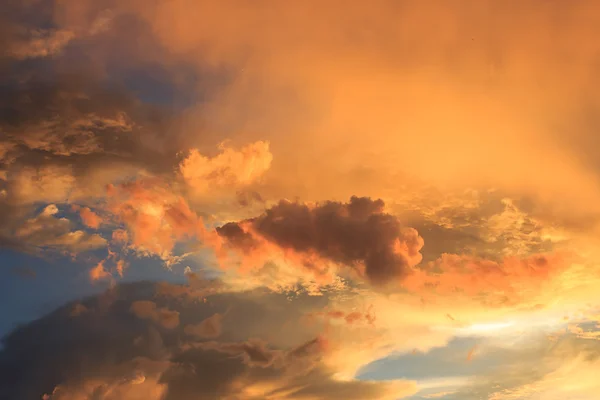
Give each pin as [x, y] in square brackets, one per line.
[231, 168]
[358, 234]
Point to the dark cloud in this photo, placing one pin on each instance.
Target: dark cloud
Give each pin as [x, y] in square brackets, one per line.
[78, 122]
[358, 234]
[70, 121]
[238, 237]
[107, 350]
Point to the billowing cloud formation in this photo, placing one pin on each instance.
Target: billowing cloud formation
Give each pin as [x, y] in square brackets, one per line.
[197, 114]
[344, 82]
[109, 350]
[358, 234]
[155, 217]
[230, 168]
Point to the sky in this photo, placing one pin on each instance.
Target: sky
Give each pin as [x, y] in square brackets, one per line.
[305, 200]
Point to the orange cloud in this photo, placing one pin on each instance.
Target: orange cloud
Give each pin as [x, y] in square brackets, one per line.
[481, 104]
[148, 310]
[120, 267]
[471, 353]
[120, 236]
[508, 281]
[99, 272]
[155, 217]
[229, 169]
[90, 218]
[368, 62]
[209, 328]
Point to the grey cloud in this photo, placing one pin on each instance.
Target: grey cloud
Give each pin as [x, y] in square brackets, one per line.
[107, 347]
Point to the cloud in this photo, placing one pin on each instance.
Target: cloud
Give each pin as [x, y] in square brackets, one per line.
[99, 272]
[510, 281]
[208, 328]
[534, 368]
[90, 218]
[148, 310]
[342, 85]
[155, 216]
[357, 234]
[471, 353]
[351, 317]
[41, 43]
[62, 143]
[192, 123]
[229, 169]
[134, 384]
[361, 241]
[24, 40]
[47, 231]
[110, 349]
[47, 184]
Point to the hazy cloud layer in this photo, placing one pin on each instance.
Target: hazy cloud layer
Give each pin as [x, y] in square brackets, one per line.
[408, 184]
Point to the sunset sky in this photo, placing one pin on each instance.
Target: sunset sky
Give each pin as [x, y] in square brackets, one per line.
[299, 200]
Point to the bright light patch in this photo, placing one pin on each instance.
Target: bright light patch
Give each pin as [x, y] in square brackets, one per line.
[489, 327]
